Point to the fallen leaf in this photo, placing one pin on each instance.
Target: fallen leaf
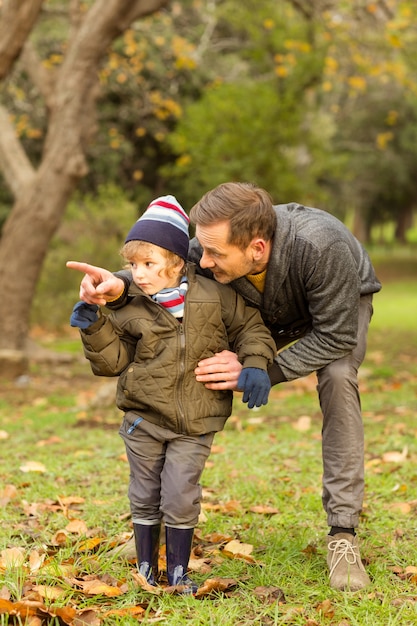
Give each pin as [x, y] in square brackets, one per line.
[97, 587]
[9, 493]
[302, 424]
[49, 593]
[236, 547]
[401, 507]
[60, 538]
[33, 466]
[212, 585]
[12, 557]
[36, 561]
[327, 608]
[264, 510]
[395, 457]
[141, 580]
[269, 594]
[77, 526]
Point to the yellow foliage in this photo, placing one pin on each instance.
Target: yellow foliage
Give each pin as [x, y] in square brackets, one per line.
[34, 133]
[183, 52]
[295, 44]
[269, 24]
[137, 175]
[358, 83]
[281, 71]
[383, 139]
[327, 86]
[184, 160]
[140, 131]
[121, 78]
[331, 65]
[394, 40]
[392, 118]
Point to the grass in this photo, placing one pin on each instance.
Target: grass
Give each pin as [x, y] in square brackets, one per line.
[268, 458]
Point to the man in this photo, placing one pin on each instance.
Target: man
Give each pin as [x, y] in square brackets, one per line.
[313, 283]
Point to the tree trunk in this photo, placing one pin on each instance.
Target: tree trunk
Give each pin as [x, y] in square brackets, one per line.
[41, 196]
[404, 223]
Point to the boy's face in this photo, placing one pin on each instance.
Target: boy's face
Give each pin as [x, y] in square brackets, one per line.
[149, 270]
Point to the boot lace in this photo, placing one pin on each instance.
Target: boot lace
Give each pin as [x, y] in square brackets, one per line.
[342, 549]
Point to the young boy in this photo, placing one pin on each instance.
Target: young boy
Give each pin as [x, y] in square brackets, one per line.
[173, 318]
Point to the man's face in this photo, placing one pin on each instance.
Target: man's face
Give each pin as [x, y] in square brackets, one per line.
[226, 261]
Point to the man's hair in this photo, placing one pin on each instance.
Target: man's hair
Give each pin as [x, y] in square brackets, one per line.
[132, 248]
[246, 207]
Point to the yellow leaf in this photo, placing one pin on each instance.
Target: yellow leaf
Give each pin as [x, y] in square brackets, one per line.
[33, 466]
[77, 526]
[97, 587]
[12, 557]
[50, 593]
[395, 457]
[303, 424]
[236, 547]
[35, 561]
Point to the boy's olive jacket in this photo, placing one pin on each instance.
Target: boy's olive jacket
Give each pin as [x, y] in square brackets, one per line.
[154, 355]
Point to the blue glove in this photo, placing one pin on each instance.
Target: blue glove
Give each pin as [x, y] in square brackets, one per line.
[255, 384]
[83, 314]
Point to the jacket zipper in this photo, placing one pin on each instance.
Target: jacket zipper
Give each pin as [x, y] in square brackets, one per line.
[181, 414]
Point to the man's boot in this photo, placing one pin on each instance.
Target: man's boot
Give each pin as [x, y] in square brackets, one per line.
[178, 550]
[147, 550]
[347, 572]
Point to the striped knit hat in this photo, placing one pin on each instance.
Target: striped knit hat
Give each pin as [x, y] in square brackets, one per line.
[165, 224]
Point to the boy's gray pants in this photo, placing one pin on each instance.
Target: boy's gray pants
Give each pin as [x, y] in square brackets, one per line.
[165, 469]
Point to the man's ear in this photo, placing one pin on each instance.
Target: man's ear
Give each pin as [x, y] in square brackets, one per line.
[258, 247]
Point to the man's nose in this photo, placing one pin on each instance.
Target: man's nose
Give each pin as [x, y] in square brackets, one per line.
[206, 260]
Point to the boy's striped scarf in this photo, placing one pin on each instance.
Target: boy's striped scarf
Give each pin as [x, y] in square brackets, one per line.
[172, 298]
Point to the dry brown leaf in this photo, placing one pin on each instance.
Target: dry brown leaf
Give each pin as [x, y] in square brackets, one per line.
[33, 466]
[303, 424]
[97, 587]
[77, 526]
[269, 595]
[47, 442]
[89, 544]
[140, 580]
[8, 493]
[236, 547]
[48, 592]
[134, 611]
[395, 456]
[36, 561]
[264, 510]
[212, 585]
[327, 608]
[60, 538]
[88, 617]
[12, 557]
[401, 507]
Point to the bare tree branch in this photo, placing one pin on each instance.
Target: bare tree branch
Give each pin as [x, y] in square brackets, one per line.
[17, 18]
[14, 164]
[42, 78]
